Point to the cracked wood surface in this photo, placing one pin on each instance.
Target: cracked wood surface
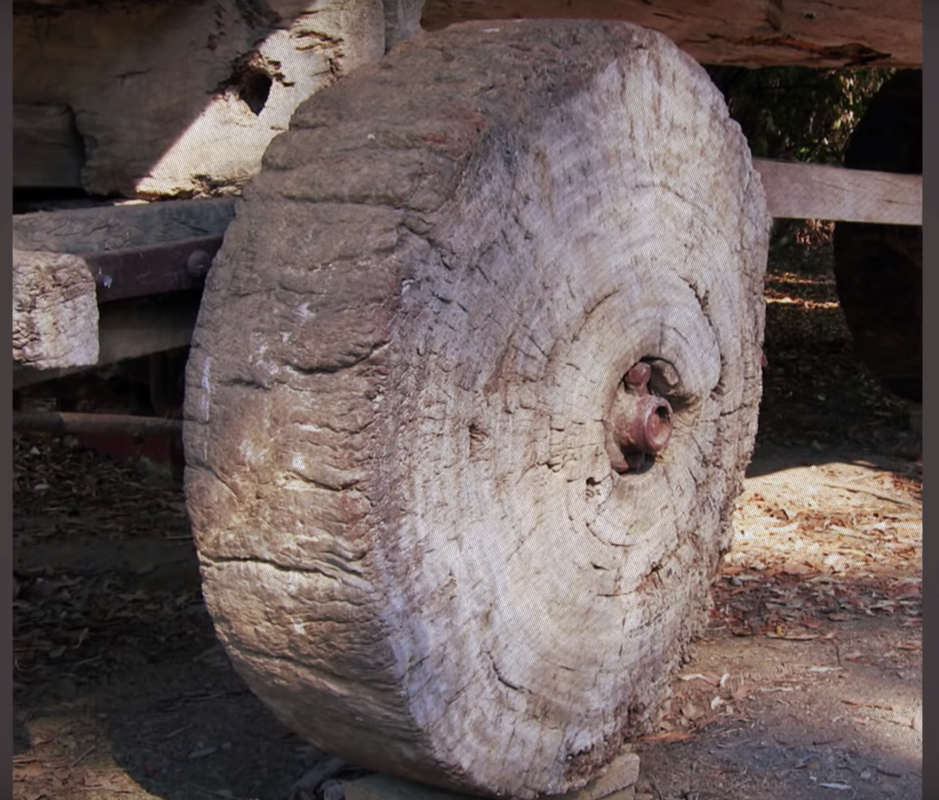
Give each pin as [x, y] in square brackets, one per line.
[55, 312]
[412, 541]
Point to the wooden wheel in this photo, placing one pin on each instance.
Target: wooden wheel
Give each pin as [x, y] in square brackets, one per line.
[471, 394]
[879, 268]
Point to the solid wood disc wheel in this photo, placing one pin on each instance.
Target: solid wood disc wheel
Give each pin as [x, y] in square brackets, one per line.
[444, 532]
[879, 268]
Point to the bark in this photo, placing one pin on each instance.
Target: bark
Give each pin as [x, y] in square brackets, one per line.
[414, 545]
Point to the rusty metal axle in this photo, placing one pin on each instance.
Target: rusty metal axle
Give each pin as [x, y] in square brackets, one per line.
[640, 422]
[70, 423]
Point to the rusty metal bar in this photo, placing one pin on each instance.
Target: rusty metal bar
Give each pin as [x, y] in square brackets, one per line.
[68, 423]
[153, 269]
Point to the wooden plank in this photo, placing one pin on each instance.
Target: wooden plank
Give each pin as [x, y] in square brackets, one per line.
[817, 191]
[47, 150]
[86, 230]
[130, 329]
[750, 33]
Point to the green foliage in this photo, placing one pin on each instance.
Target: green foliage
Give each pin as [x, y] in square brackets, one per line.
[798, 113]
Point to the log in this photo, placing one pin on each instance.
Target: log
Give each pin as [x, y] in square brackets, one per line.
[55, 313]
[472, 390]
[748, 33]
[879, 268]
[47, 150]
[116, 227]
[818, 191]
[237, 70]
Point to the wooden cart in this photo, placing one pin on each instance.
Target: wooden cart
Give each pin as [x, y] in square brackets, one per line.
[475, 357]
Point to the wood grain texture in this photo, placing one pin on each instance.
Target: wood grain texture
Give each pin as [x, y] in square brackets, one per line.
[88, 230]
[182, 98]
[55, 313]
[47, 150]
[818, 191]
[412, 541]
[750, 33]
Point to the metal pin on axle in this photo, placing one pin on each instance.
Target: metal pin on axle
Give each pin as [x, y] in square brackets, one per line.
[641, 422]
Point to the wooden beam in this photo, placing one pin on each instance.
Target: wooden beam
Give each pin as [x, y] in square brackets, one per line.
[817, 191]
[55, 312]
[116, 227]
[130, 329]
[47, 150]
[750, 33]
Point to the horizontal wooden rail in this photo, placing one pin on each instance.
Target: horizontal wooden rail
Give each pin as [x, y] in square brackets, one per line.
[816, 191]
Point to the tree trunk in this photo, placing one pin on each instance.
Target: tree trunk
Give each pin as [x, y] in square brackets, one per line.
[879, 268]
[430, 537]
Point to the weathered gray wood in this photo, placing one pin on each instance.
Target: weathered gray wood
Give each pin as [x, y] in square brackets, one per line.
[47, 150]
[818, 191]
[181, 99]
[87, 230]
[414, 543]
[56, 317]
[55, 313]
[750, 33]
[128, 329]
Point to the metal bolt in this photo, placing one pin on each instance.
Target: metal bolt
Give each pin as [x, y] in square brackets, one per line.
[641, 422]
[197, 265]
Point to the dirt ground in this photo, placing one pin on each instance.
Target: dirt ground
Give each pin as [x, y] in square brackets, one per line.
[807, 683]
